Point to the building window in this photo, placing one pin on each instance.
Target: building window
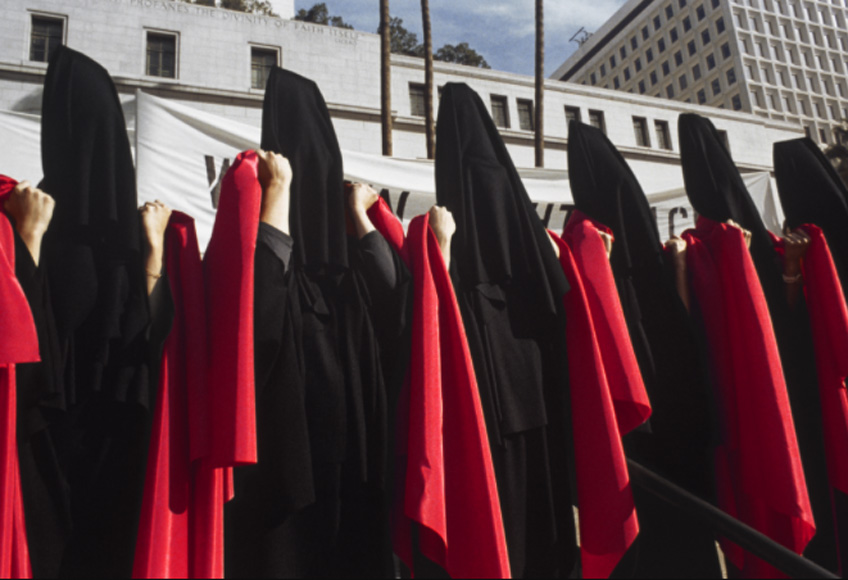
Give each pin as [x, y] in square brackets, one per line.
[47, 35]
[663, 135]
[653, 77]
[603, 70]
[725, 50]
[593, 79]
[683, 82]
[640, 129]
[669, 12]
[525, 114]
[716, 86]
[737, 103]
[649, 54]
[657, 22]
[673, 34]
[572, 114]
[702, 97]
[696, 72]
[262, 60]
[638, 64]
[716, 4]
[596, 119]
[823, 136]
[661, 44]
[162, 55]
[626, 74]
[681, 3]
[634, 43]
[612, 62]
[417, 107]
[766, 75]
[666, 68]
[615, 82]
[645, 33]
[623, 51]
[669, 91]
[700, 12]
[641, 87]
[711, 63]
[500, 112]
[678, 58]
[787, 105]
[731, 77]
[687, 24]
[692, 48]
[705, 36]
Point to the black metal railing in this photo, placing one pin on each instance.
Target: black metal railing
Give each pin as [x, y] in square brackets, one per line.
[726, 526]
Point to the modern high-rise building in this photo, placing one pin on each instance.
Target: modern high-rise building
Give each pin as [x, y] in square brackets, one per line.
[785, 60]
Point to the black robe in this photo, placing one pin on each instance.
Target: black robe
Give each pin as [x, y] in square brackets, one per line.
[717, 191]
[677, 443]
[326, 326]
[811, 192]
[510, 285]
[92, 254]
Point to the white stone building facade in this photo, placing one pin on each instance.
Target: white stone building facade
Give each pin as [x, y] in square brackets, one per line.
[213, 59]
[784, 60]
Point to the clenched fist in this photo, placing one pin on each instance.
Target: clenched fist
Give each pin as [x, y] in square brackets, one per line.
[31, 209]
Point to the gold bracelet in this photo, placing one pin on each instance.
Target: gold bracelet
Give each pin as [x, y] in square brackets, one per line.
[152, 275]
[792, 279]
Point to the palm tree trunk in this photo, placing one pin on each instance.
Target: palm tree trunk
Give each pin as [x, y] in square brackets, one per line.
[385, 78]
[540, 83]
[430, 128]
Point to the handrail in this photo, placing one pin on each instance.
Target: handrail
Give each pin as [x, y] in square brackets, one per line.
[724, 525]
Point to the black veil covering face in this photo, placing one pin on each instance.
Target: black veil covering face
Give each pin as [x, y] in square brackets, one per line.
[325, 325]
[97, 284]
[717, 191]
[510, 285]
[678, 443]
[811, 192]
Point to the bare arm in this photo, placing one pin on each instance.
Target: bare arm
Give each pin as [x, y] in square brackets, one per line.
[31, 209]
[796, 244]
[677, 250]
[275, 177]
[360, 199]
[444, 227]
[154, 219]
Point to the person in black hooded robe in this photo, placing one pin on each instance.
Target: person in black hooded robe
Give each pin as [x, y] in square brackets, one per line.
[811, 192]
[677, 441]
[717, 191]
[96, 283]
[510, 288]
[329, 332]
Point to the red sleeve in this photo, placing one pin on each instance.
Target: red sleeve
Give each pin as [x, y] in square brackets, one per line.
[608, 523]
[829, 323]
[448, 485]
[228, 269]
[630, 399]
[759, 476]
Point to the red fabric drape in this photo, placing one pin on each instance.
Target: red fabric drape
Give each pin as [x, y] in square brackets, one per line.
[759, 476]
[228, 271]
[18, 344]
[629, 397]
[181, 527]
[608, 523]
[448, 486]
[829, 323]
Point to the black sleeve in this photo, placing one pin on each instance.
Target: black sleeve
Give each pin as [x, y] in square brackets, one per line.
[380, 268]
[270, 291]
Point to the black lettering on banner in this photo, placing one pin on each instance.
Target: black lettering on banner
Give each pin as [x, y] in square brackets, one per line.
[549, 210]
[402, 204]
[678, 210]
[568, 209]
[384, 193]
[215, 178]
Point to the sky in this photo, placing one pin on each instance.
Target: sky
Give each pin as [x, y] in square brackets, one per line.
[503, 31]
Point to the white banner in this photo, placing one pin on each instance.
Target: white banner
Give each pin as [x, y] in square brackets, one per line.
[182, 154]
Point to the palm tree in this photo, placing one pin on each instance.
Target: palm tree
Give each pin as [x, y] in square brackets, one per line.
[428, 80]
[385, 77]
[540, 84]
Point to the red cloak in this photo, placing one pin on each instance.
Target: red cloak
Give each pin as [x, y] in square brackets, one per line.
[759, 476]
[829, 323]
[448, 486]
[599, 354]
[18, 344]
[181, 527]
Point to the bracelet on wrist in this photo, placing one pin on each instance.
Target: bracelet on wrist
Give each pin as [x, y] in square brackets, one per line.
[793, 279]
